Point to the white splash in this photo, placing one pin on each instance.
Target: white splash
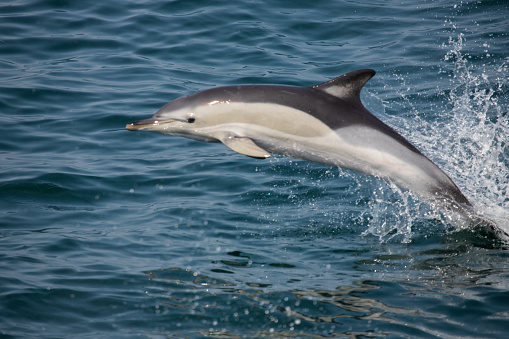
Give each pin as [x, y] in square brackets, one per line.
[478, 134]
[469, 139]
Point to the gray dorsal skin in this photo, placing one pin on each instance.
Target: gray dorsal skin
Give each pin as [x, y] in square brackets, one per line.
[336, 104]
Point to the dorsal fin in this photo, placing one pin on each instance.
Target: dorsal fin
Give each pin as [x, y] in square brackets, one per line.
[347, 86]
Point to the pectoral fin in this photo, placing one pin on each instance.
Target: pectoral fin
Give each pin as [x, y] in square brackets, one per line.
[245, 146]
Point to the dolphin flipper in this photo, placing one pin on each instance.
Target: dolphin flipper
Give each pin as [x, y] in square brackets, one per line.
[245, 146]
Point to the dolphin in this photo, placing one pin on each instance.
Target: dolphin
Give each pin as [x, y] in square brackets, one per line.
[325, 123]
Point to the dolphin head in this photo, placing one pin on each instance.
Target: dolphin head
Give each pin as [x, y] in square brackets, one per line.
[184, 117]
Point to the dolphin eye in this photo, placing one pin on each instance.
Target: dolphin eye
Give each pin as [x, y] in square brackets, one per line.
[191, 120]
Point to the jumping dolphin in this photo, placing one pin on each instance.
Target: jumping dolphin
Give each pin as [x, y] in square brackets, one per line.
[325, 123]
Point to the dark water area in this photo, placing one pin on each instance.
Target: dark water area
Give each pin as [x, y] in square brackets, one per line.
[107, 233]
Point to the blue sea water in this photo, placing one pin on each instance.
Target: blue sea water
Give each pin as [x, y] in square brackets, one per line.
[107, 233]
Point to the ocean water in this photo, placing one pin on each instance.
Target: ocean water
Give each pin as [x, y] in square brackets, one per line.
[106, 233]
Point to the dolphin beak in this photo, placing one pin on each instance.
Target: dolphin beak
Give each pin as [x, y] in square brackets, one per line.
[137, 125]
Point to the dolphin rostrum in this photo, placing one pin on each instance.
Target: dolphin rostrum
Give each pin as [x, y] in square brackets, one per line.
[325, 123]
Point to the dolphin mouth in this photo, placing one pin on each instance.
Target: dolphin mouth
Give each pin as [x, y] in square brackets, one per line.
[141, 124]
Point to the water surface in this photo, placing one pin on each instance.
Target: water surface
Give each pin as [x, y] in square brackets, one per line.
[108, 233]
